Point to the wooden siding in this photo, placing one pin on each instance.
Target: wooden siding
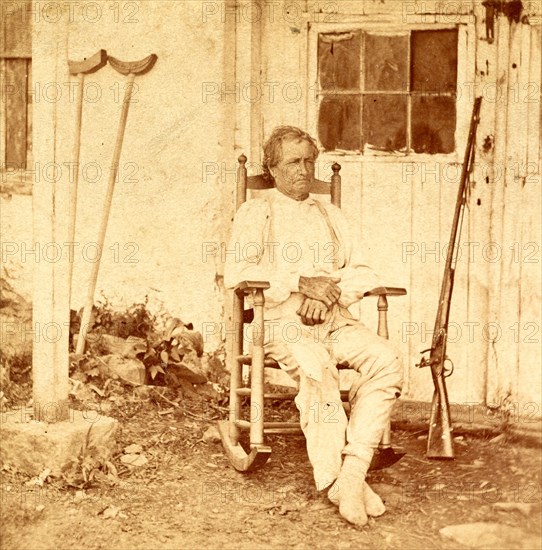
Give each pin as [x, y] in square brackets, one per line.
[403, 207]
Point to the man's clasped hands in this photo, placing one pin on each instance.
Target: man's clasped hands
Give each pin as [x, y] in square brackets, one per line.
[321, 293]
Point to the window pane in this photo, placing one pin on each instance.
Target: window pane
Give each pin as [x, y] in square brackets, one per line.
[16, 119]
[338, 61]
[433, 124]
[386, 66]
[339, 124]
[434, 60]
[384, 122]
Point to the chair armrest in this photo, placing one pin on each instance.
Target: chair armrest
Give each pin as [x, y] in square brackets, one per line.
[246, 286]
[386, 291]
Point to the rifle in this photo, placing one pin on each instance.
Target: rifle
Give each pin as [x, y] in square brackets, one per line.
[439, 440]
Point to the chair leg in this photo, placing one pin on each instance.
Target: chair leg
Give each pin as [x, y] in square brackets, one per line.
[257, 373]
[229, 430]
[383, 317]
[386, 437]
[234, 340]
[384, 456]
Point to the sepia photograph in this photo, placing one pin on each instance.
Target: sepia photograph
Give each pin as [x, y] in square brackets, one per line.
[270, 274]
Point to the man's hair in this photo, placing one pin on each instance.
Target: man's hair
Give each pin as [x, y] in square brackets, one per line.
[272, 150]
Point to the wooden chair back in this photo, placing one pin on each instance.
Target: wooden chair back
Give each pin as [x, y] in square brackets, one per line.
[259, 182]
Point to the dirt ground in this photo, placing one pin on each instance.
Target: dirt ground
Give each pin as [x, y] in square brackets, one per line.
[188, 496]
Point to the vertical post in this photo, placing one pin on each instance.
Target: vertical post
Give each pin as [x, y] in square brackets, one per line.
[248, 33]
[336, 185]
[75, 184]
[257, 374]
[498, 182]
[50, 359]
[241, 190]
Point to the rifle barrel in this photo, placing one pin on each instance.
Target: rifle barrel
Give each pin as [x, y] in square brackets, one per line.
[447, 282]
[439, 440]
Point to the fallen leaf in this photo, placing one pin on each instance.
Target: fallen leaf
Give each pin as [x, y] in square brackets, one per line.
[134, 448]
[523, 507]
[97, 390]
[110, 512]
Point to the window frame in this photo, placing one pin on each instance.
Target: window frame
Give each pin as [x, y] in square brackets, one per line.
[466, 60]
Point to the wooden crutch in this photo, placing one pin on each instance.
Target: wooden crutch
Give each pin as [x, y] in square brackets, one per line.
[131, 69]
[79, 69]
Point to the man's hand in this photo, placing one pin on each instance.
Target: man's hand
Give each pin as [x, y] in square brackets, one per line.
[312, 312]
[324, 289]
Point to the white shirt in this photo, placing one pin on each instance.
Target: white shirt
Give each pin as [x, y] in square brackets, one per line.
[278, 239]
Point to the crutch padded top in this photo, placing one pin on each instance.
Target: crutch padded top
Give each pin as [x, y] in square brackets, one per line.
[133, 67]
[88, 65]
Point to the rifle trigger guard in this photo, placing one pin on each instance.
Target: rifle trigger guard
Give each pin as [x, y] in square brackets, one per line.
[448, 371]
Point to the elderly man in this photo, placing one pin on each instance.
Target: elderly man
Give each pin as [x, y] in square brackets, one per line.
[304, 248]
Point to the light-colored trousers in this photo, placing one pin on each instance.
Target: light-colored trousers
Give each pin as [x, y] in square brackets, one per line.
[311, 360]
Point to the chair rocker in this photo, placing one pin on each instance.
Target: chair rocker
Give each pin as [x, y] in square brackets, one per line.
[253, 386]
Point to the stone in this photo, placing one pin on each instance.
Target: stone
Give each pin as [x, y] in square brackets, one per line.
[33, 446]
[130, 370]
[211, 435]
[188, 370]
[79, 496]
[134, 460]
[134, 448]
[490, 535]
[15, 314]
[143, 392]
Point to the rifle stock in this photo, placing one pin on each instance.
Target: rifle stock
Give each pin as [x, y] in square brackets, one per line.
[439, 440]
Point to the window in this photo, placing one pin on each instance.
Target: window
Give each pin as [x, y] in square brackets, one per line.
[15, 76]
[388, 92]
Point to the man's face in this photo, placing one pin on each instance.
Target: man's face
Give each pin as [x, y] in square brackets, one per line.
[294, 174]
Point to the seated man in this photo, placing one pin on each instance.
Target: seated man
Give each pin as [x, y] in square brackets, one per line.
[305, 250]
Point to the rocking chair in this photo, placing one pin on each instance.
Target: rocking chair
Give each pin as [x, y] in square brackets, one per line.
[253, 385]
